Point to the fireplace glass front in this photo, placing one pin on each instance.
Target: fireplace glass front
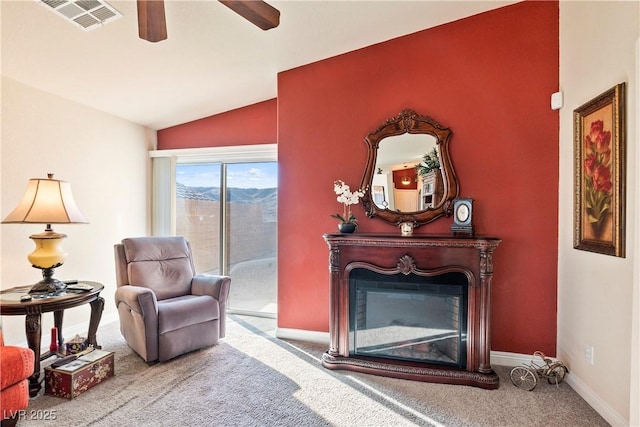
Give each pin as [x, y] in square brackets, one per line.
[408, 317]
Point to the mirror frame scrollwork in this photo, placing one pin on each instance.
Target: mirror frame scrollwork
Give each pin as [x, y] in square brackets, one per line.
[408, 121]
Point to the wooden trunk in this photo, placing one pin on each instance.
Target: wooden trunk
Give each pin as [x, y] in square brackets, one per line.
[69, 384]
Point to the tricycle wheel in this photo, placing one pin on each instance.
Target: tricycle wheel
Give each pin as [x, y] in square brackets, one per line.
[557, 374]
[524, 378]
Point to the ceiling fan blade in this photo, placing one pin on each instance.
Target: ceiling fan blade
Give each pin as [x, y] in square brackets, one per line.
[257, 12]
[152, 25]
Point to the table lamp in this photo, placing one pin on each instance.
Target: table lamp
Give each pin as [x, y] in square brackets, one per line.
[47, 201]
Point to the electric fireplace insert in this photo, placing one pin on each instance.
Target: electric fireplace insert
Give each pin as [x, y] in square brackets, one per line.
[408, 317]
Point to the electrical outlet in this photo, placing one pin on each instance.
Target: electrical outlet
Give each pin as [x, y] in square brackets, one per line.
[588, 354]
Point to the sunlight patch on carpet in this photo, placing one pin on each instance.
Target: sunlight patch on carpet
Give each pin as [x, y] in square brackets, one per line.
[331, 399]
[395, 402]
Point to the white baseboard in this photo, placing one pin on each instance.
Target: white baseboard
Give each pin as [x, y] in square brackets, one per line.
[303, 335]
[503, 358]
[109, 318]
[601, 407]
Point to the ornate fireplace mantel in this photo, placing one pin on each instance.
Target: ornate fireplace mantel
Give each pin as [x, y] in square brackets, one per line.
[421, 255]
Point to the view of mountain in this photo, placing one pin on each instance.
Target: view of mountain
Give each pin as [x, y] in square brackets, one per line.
[264, 196]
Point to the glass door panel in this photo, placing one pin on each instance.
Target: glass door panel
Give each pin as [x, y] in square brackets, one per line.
[198, 212]
[251, 255]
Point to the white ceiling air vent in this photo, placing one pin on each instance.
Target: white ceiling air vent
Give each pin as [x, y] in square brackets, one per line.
[86, 14]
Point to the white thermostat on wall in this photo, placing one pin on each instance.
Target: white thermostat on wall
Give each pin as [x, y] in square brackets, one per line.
[557, 99]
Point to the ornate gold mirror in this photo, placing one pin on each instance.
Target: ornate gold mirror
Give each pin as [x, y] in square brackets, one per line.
[409, 177]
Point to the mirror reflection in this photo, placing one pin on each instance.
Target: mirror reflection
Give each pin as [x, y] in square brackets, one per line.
[407, 177]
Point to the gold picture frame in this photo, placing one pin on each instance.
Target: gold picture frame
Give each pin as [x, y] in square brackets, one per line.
[600, 173]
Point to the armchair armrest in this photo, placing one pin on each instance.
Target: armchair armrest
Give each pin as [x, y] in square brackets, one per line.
[138, 306]
[140, 300]
[16, 364]
[218, 288]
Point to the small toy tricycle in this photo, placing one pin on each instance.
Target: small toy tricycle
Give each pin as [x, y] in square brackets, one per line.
[541, 366]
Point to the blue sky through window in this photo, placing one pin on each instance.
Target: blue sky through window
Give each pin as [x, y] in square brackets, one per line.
[239, 175]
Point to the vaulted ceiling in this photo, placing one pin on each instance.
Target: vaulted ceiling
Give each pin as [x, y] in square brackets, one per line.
[213, 60]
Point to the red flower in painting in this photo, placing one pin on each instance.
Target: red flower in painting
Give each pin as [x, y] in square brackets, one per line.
[602, 142]
[597, 169]
[602, 179]
[590, 164]
[596, 129]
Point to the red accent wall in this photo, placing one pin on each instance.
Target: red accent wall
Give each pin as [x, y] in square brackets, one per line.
[489, 79]
[254, 124]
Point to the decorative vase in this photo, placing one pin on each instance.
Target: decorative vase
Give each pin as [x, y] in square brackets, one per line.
[347, 227]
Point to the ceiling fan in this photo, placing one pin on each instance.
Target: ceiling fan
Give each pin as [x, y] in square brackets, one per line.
[152, 25]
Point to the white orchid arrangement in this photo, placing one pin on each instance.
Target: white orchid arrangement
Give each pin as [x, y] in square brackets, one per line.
[347, 198]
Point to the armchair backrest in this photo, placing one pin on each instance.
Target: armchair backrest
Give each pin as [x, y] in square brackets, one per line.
[163, 264]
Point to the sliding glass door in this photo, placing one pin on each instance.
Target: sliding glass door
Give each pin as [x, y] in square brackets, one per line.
[228, 211]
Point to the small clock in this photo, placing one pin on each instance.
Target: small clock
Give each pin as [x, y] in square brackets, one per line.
[462, 217]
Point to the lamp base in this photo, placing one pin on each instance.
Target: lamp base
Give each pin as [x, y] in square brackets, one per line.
[48, 284]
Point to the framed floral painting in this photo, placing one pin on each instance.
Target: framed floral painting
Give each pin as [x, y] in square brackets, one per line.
[599, 199]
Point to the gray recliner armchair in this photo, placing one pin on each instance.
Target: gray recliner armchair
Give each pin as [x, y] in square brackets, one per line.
[165, 308]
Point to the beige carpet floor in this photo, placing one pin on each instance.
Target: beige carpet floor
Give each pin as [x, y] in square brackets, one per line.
[251, 378]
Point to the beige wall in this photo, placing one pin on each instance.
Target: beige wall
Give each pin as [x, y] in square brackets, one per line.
[106, 161]
[598, 294]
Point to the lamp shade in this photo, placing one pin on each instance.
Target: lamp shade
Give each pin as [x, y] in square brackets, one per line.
[46, 201]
